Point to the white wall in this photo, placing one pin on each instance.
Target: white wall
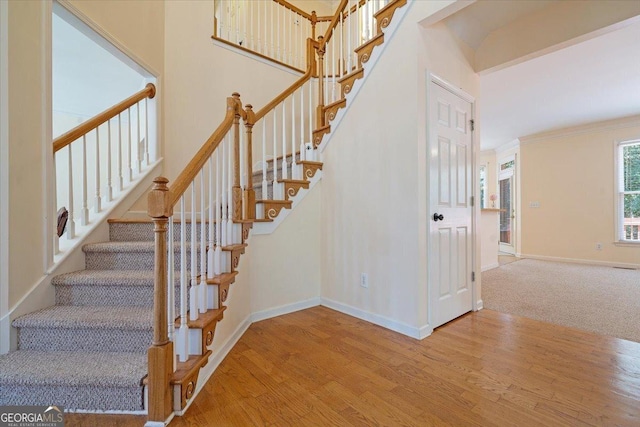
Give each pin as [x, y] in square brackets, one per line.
[374, 199]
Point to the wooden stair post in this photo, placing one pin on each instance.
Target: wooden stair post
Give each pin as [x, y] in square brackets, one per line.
[249, 202]
[320, 109]
[160, 354]
[236, 190]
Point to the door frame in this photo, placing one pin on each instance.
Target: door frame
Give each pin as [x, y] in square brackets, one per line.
[432, 78]
[5, 326]
[514, 199]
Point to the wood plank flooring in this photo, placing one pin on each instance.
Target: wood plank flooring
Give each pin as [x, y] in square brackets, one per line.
[318, 367]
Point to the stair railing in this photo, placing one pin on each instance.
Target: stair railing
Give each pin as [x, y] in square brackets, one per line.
[96, 161]
[215, 194]
[274, 29]
[343, 48]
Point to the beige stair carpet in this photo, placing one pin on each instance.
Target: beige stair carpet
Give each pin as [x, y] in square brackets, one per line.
[600, 299]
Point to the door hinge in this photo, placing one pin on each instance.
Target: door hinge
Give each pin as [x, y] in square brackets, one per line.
[473, 124]
[473, 276]
[473, 201]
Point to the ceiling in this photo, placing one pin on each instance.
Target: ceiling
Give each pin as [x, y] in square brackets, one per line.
[597, 79]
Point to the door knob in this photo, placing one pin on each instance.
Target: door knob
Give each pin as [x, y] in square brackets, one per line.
[437, 217]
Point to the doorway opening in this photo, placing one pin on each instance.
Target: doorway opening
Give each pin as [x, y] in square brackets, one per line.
[507, 197]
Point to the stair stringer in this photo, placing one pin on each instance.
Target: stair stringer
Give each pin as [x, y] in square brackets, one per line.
[389, 31]
[260, 228]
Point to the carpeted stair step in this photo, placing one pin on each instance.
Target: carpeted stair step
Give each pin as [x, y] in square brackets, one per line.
[130, 256]
[108, 288]
[74, 380]
[123, 230]
[71, 328]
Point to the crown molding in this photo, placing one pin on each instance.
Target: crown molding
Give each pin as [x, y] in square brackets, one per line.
[606, 125]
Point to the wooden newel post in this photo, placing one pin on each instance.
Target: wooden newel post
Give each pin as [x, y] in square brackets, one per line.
[236, 190]
[160, 354]
[320, 109]
[249, 201]
[314, 21]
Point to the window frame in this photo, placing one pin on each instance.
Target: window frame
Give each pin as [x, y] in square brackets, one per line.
[619, 193]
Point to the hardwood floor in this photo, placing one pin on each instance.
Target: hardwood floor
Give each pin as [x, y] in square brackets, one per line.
[318, 367]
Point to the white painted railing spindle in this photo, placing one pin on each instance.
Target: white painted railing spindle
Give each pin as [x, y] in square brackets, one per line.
[193, 290]
[84, 213]
[274, 194]
[284, 166]
[171, 288]
[120, 176]
[71, 223]
[183, 332]
[129, 150]
[217, 258]
[108, 192]
[97, 207]
[212, 207]
[265, 165]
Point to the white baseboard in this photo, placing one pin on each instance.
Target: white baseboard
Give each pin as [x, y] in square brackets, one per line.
[581, 261]
[425, 331]
[285, 309]
[385, 322]
[479, 305]
[490, 266]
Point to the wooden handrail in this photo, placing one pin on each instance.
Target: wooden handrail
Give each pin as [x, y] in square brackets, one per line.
[334, 21]
[67, 138]
[294, 8]
[298, 83]
[189, 173]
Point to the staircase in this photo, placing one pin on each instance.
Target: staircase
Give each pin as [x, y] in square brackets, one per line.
[90, 351]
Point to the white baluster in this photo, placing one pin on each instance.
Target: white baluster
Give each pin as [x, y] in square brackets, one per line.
[193, 290]
[130, 146]
[279, 28]
[341, 57]
[349, 63]
[260, 48]
[146, 130]
[253, 45]
[183, 333]
[71, 223]
[310, 114]
[97, 207]
[265, 165]
[333, 65]
[291, 26]
[273, 19]
[202, 297]
[138, 141]
[237, 16]
[230, 236]
[212, 207]
[245, 24]
[171, 288]
[228, 10]
[225, 173]
[294, 171]
[274, 196]
[84, 213]
[302, 128]
[217, 258]
[108, 192]
[120, 177]
[284, 143]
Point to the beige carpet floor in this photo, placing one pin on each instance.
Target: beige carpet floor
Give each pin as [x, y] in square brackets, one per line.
[600, 299]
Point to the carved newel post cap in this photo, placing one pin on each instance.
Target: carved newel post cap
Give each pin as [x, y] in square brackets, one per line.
[248, 106]
[158, 204]
[236, 95]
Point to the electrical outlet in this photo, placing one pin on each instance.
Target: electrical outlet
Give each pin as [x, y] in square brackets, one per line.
[364, 280]
[598, 246]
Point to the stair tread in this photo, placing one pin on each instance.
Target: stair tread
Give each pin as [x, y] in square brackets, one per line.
[294, 181]
[52, 368]
[222, 278]
[322, 128]
[108, 278]
[372, 40]
[279, 202]
[204, 318]
[131, 247]
[312, 162]
[333, 104]
[351, 75]
[234, 247]
[88, 317]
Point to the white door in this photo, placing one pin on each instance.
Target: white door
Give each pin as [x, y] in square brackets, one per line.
[507, 191]
[451, 234]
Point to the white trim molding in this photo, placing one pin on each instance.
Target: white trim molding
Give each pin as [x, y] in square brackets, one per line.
[602, 126]
[582, 261]
[489, 267]
[5, 326]
[285, 309]
[377, 319]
